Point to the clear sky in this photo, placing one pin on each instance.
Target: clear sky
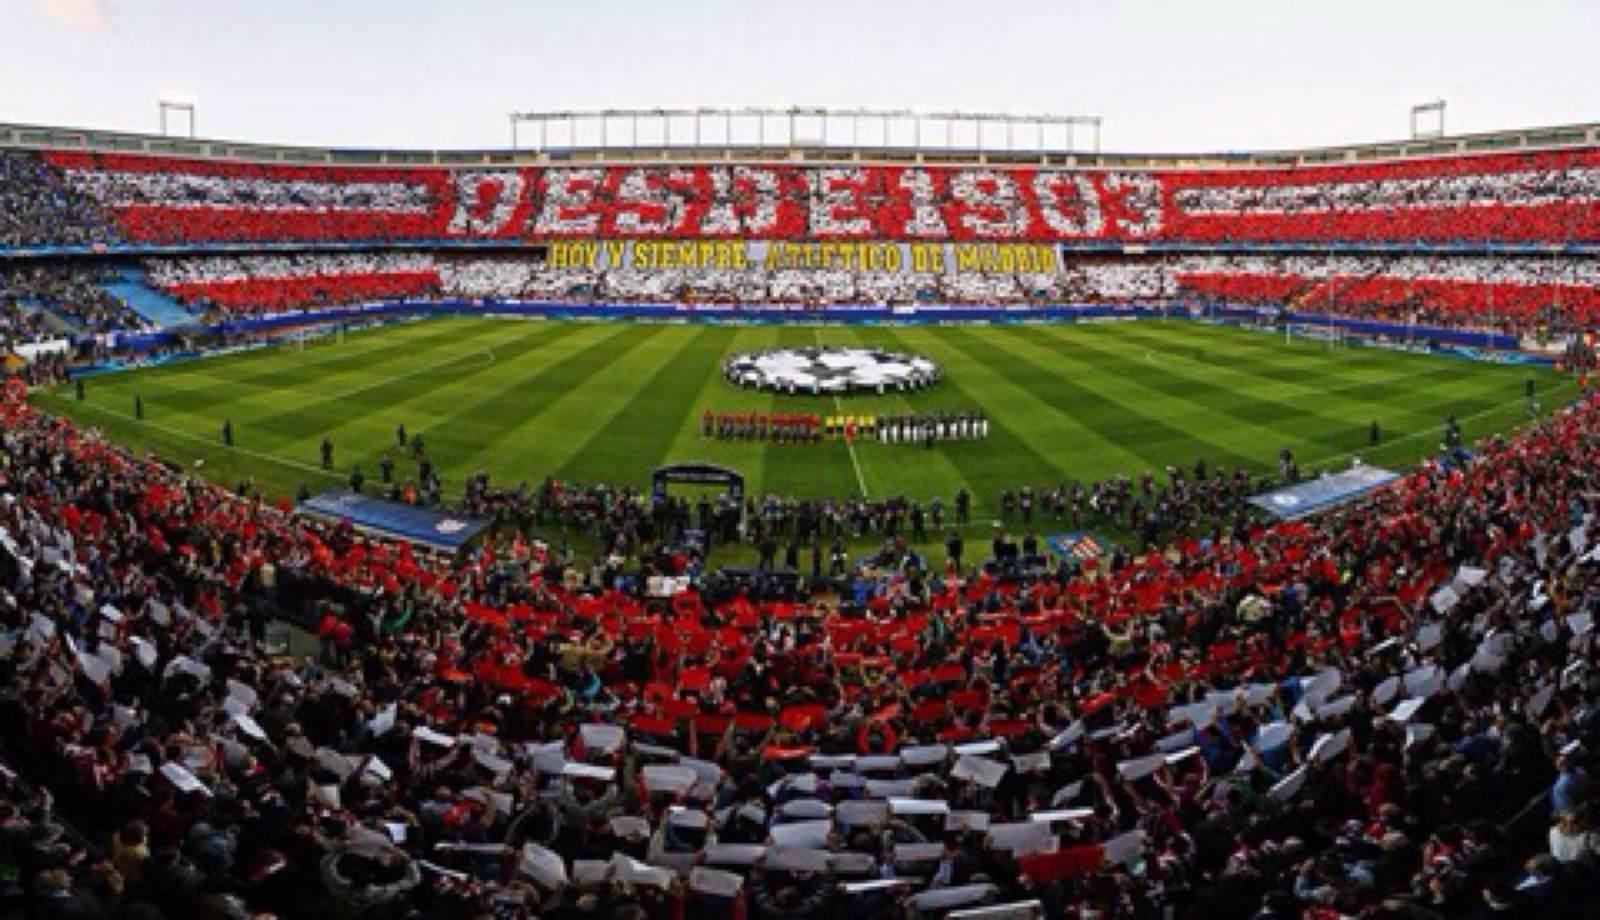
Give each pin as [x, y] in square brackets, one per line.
[1166, 76]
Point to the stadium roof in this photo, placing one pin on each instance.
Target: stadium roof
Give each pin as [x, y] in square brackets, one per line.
[784, 149]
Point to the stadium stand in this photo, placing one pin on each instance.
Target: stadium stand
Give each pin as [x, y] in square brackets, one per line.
[1461, 206]
[266, 284]
[1292, 719]
[72, 293]
[1502, 291]
[1537, 196]
[137, 294]
[38, 209]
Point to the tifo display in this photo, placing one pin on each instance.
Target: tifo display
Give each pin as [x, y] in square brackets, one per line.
[799, 537]
[830, 370]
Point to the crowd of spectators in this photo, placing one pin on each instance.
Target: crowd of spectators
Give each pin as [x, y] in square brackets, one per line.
[1390, 710]
[1510, 197]
[74, 293]
[1522, 294]
[1506, 292]
[1537, 196]
[231, 286]
[38, 209]
[168, 200]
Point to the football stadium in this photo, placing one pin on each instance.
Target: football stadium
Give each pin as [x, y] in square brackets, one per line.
[793, 512]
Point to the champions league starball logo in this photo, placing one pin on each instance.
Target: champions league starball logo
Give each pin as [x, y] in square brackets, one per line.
[450, 526]
[830, 369]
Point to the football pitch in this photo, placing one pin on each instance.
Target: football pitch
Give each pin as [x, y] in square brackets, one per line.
[609, 402]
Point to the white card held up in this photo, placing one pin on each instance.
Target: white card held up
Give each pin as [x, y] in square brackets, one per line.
[429, 736]
[1022, 837]
[1199, 714]
[1407, 709]
[801, 834]
[715, 882]
[1140, 767]
[1067, 736]
[859, 812]
[1429, 636]
[805, 809]
[851, 862]
[1444, 600]
[1177, 757]
[901, 806]
[588, 771]
[905, 853]
[670, 779]
[1176, 741]
[1337, 707]
[1070, 815]
[249, 726]
[966, 821]
[1124, 848]
[1424, 681]
[495, 764]
[1273, 736]
[924, 755]
[543, 866]
[797, 859]
[1037, 762]
[945, 898]
[590, 871]
[601, 738]
[627, 869]
[1328, 747]
[734, 854]
[629, 826]
[981, 770]
[1288, 787]
[1015, 910]
[877, 884]
[1418, 733]
[1067, 793]
[1541, 700]
[181, 779]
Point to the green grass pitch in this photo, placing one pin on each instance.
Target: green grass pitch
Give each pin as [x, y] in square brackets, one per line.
[611, 401]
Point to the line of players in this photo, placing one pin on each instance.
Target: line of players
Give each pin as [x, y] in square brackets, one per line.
[928, 427]
[749, 425]
[806, 427]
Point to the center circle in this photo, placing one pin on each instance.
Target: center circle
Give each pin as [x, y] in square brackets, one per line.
[829, 369]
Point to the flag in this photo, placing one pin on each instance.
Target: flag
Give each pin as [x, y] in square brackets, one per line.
[1085, 548]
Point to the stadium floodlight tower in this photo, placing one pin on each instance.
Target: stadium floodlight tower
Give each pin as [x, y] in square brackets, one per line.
[1420, 115]
[176, 101]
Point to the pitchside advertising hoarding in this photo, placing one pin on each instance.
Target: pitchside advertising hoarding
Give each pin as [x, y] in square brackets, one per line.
[425, 527]
[856, 257]
[1324, 492]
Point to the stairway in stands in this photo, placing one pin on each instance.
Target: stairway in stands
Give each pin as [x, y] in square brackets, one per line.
[141, 298]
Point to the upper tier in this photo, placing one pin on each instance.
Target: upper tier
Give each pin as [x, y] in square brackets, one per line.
[1548, 196]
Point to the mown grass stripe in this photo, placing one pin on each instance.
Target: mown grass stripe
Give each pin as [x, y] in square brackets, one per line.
[657, 411]
[1235, 401]
[1008, 458]
[1093, 392]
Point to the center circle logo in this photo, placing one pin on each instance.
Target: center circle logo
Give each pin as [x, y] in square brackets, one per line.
[829, 369]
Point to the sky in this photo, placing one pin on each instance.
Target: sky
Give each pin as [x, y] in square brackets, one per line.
[1174, 76]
